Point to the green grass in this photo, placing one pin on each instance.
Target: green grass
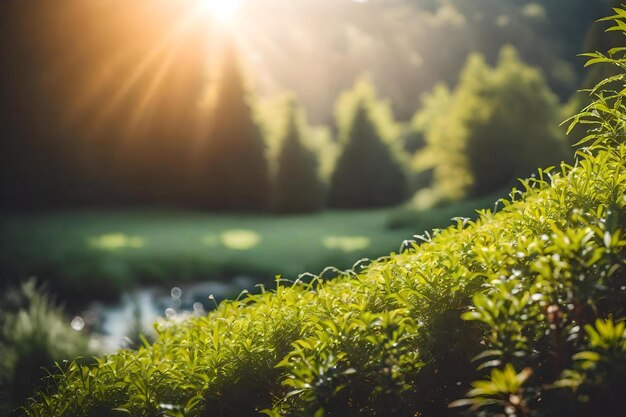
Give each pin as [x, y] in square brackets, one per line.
[110, 250]
[409, 216]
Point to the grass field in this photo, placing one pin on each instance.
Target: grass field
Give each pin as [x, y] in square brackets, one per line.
[99, 253]
[409, 216]
[102, 252]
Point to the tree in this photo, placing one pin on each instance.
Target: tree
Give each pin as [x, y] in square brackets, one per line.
[432, 105]
[297, 187]
[501, 125]
[520, 133]
[235, 171]
[368, 172]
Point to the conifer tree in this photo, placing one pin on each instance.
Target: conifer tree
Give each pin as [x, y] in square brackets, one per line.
[367, 173]
[297, 187]
[235, 170]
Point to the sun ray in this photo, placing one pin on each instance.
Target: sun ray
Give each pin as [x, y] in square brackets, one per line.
[142, 68]
[152, 90]
[98, 84]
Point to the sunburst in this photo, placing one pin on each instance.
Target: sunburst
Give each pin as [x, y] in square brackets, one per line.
[222, 10]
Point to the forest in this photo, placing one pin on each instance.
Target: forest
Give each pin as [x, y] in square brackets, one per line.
[296, 208]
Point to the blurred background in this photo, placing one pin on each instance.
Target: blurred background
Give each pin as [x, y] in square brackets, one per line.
[158, 156]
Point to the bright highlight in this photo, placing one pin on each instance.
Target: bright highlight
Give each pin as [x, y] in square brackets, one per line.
[223, 10]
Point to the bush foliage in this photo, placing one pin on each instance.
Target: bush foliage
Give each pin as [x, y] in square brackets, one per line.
[521, 312]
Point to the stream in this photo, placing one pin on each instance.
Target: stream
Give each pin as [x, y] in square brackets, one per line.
[117, 325]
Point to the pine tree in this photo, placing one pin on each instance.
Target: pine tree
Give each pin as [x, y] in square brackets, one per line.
[235, 169]
[298, 187]
[367, 173]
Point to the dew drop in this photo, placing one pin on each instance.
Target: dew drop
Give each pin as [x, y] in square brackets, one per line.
[176, 293]
[78, 323]
[198, 308]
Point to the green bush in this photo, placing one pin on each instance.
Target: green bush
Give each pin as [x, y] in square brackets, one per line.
[527, 306]
[34, 333]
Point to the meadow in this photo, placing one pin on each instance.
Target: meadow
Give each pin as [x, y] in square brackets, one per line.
[112, 250]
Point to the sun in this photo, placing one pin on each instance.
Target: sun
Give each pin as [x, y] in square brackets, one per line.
[222, 10]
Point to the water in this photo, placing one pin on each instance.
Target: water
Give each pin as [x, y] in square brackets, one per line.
[136, 311]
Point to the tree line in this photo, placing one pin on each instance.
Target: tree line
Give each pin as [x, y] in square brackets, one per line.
[496, 125]
[145, 143]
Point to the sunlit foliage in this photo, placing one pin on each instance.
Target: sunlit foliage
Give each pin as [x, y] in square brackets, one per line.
[597, 40]
[424, 158]
[526, 305]
[363, 92]
[369, 171]
[499, 125]
[273, 115]
[433, 105]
